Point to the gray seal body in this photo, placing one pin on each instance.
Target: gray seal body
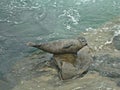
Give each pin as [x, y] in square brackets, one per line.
[61, 46]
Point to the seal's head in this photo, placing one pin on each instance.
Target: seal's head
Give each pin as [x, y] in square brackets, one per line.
[82, 40]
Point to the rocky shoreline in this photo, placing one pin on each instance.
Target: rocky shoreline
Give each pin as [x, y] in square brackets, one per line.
[34, 72]
[104, 73]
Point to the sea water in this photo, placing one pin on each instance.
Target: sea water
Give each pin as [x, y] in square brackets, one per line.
[22, 21]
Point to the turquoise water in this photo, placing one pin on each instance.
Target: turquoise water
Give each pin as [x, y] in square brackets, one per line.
[45, 20]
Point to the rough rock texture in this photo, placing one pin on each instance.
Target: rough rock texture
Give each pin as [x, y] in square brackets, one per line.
[91, 81]
[71, 65]
[84, 59]
[34, 72]
[5, 85]
[116, 42]
[107, 65]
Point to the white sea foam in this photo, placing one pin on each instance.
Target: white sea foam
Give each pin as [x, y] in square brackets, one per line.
[79, 2]
[74, 20]
[72, 15]
[89, 29]
[68, 27]
[117, 33]
[39, 38]
[108, 42]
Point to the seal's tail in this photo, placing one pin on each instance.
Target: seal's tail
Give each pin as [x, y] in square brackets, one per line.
[31, 44]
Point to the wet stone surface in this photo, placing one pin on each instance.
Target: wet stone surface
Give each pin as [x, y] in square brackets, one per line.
[116, 42]
[35, 72]
[107, 66]
[73, 66]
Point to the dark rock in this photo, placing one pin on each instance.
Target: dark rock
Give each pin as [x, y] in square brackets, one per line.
[5, 85]
[116, 42]
[107, 65]
[118, 83]
[110, 74]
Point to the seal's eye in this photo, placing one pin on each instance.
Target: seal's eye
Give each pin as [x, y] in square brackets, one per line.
[82, 40]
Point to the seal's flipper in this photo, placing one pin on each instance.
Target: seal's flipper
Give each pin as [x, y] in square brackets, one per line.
[67, 46]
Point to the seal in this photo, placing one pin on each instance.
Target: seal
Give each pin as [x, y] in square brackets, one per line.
[64, 46]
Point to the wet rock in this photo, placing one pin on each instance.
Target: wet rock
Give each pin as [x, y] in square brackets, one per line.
[116, 42]
[70, 65]
[91, 81]
[65, 65]
[110, 74]
[32, 66]
[118, 83]
[67, 71]
[84, 58]
[107, 65]
[5, 85]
